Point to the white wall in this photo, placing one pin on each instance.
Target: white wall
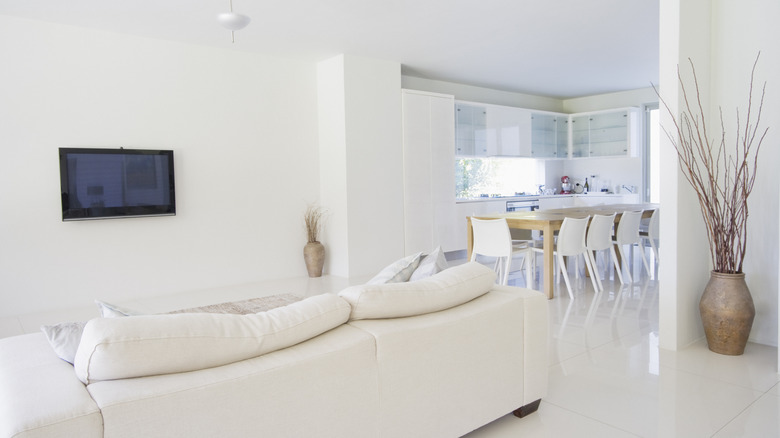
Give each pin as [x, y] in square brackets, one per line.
[740, 30]
[484, 95]
[244, 131]
[611, 100]
[362, 162]
[722, 38]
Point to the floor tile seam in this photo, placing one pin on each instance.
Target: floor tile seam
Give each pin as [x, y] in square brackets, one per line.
[580, 414]
[551, 365]
[587, 350]
[739, 414]
[713, 379]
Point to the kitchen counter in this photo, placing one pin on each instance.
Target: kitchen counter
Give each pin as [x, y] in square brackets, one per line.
[497, 198]
[618, 196]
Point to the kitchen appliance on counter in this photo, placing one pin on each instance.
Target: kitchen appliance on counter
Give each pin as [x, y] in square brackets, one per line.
[565, 185]
[528, 203]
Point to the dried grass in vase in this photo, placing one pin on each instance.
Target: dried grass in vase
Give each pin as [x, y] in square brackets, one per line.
[313, 220]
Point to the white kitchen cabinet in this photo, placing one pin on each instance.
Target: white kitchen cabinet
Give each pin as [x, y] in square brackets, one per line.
[508, 131]
[549, 135]
[429, 173]
[611, 133]
[470, 130]
[580, 135]
[472, 208]
[559, 201]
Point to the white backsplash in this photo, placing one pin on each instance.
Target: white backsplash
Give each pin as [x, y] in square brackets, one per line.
[617, 172]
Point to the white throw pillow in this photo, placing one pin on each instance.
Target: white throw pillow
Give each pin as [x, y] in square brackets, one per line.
[108, 310]
[398, 271]
[64, 338]
[431, 264]
[446, 289]
[120, 348]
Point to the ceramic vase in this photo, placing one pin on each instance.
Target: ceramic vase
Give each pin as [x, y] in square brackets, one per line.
[314, 256]
[727, 313]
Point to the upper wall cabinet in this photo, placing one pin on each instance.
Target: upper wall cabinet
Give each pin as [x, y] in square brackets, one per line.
[470, 130]
[484, 130]
[613, 133]
[508, 131]
[549, 135]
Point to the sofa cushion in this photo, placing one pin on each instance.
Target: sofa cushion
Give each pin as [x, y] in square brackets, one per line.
[117, 348]
[64, 338]
[398, 271]
[449, 288]
[430, 264]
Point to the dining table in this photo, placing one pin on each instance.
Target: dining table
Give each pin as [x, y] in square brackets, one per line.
[549, 221]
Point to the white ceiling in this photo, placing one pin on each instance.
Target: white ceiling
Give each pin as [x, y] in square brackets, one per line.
[556, 48]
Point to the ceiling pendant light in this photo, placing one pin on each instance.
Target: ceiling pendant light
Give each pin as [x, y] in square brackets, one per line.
[233, 21]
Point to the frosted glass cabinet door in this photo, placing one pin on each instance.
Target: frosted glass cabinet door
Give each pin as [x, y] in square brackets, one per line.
[562, 136]
[543, 136]
[580, 136]
[609, 134]
[470, 130]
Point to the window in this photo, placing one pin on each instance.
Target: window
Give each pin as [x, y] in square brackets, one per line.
[495, 176]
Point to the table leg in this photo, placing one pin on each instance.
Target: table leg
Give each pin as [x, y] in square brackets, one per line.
[469, 238]
[549, 265]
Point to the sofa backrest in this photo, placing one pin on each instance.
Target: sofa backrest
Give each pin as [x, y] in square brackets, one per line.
[118, 348]
[448, 288]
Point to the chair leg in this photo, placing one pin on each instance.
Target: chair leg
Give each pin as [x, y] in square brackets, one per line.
[529, 271]
[624, 261]
[593, 274]
[505, 271]
[644, 260]
[617, 265]
[655, 250]
[565, 276]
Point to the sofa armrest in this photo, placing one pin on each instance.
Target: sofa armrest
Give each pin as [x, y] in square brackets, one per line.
[40, 395]
[535, 344]
[447, 373]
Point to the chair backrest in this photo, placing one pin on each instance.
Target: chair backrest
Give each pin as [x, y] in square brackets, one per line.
[628, 227]
[491, 238]
[600, 232]
[652, 229]
[571, 237]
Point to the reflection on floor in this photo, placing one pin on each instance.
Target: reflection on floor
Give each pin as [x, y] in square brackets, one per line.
[608, 378]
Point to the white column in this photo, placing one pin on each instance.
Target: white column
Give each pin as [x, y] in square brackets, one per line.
[361, 166]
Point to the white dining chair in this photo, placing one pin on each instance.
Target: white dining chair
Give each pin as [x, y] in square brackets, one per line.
[628, 234]
[650, 234]
[571, 243]
[492, 239]
[599, 238]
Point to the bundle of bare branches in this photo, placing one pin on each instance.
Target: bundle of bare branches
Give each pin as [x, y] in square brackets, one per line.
[722, 179]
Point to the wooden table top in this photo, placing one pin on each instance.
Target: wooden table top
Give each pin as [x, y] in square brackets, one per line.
[558, 214]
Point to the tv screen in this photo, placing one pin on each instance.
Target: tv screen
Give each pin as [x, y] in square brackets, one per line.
[116, 183]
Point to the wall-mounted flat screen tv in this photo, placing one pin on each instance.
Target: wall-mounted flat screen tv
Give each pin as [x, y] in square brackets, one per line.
[116, 183]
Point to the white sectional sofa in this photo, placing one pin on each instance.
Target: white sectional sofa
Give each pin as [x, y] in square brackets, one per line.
[438, 357]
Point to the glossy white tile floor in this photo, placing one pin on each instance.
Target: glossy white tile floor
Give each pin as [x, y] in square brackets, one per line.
[608, 377]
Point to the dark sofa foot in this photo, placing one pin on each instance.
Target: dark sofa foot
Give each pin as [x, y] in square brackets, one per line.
[530, 408]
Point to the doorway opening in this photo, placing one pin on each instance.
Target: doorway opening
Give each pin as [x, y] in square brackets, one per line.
[651, 168]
